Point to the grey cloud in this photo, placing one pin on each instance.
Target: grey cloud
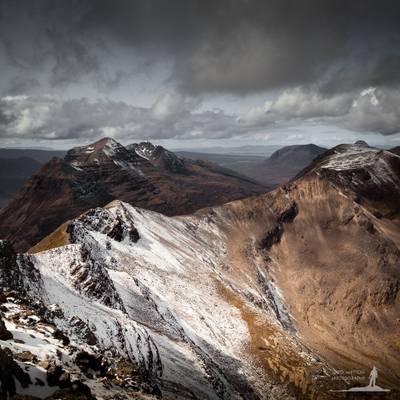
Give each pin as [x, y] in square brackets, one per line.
[234, 46]
[369, 110]
[22, 85]
[174, 116]
[51, 118]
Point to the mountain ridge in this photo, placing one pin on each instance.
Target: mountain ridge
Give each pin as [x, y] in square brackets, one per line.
[305, 280]
[96, 174]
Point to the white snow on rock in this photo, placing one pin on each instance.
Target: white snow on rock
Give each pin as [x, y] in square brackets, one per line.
[362, 157]
[148, 287]
[353, 157]
[145, 150]
[111, 147]
[173, 309]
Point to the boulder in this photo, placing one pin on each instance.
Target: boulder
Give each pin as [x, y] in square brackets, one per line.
[64, 381]
[56, 376]
[25, 356]
[8, 371]
[4, 333]
[44, 364]
[95, 362]
[58, 334]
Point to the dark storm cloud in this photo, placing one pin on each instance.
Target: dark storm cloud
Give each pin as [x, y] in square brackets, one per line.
[226, 46]
[320, 54]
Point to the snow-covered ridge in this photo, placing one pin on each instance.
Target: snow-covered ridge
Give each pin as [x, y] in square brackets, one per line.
[147, 287]
[101, 153]
[375, 162]
[354, 156]
[162, 294]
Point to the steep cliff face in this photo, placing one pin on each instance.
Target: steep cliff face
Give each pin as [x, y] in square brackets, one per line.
[93, 175]
[266, 297]
[337, 263]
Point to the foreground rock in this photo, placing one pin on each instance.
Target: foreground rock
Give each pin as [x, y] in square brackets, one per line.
[8, 371]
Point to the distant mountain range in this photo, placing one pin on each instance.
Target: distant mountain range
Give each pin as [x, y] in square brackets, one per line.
[13, 173]
[17, 166]
[90, 176]
[41, 156]
[277, 296]
[270, 170]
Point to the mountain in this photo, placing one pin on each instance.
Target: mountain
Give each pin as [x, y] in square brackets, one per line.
[96, 174]
[287, 295]
[13, 173]
[283, 164]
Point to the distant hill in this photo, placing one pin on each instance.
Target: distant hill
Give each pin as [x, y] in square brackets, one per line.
[13, 173]
[41, 156]
[283, 164]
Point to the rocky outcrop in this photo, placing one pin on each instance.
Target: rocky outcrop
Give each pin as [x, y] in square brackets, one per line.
[116, 226]
[26, 356]
[94, 362]
[17, 272]
[8, 371]
[56, 376]
[8, 264]
[4, 333]
[82, 331]
[274, 235]
[161, 158]
[60, 335]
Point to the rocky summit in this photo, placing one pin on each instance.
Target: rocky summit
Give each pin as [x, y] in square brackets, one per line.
[268, 297]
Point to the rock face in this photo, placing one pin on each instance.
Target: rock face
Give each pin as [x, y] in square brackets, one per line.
[161, 158]
[284, 164]
[4, 333]
[8, 371]
[91, 176]
[262, 298]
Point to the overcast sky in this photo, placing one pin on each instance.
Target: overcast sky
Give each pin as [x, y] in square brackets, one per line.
[199, 73]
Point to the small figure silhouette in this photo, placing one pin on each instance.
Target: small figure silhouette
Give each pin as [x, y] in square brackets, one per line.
[373, 376]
